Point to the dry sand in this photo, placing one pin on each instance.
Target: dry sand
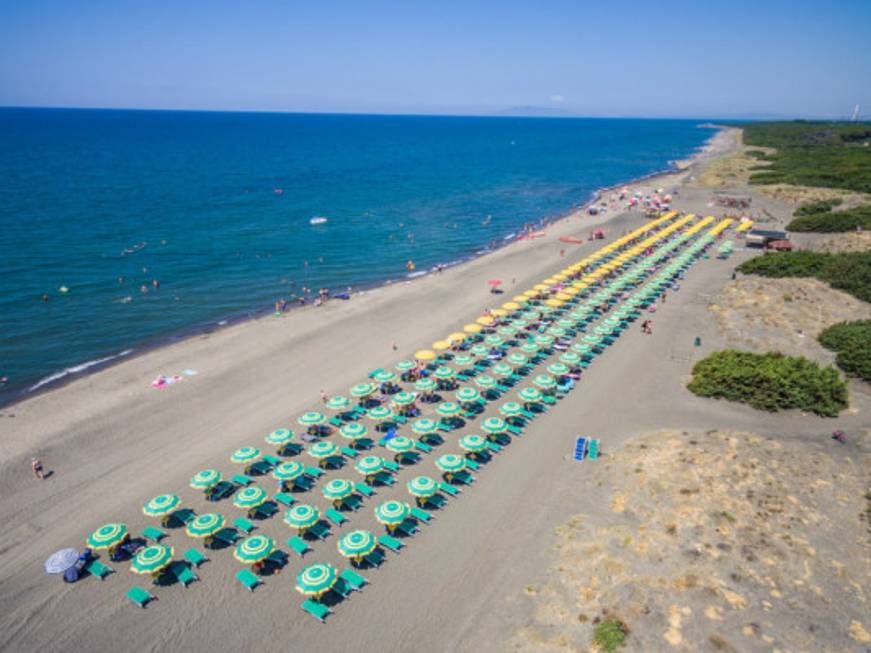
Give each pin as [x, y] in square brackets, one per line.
[113, 443]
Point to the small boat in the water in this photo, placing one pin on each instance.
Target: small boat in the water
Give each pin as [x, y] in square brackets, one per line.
[317, 220]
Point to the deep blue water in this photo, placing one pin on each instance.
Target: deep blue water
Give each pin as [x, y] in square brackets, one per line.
[78, 188]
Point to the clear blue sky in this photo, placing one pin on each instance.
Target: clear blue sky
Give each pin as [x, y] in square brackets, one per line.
[715, 58]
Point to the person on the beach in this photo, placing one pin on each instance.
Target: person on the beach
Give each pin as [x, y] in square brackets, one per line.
[395, 348]
[36, 466]
[410, 265]
[663, 296]
[45, 297]
[323, 396]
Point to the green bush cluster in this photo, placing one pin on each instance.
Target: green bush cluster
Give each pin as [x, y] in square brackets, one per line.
[770, 382]
[827, 154]
[812, 208]
[847, 271]
[818, 217]
[852, 342]
[610, 635]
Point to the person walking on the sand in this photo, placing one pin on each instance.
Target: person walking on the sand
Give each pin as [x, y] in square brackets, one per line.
[36, 465]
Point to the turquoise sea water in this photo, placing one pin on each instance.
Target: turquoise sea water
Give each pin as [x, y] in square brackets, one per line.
[216, 206]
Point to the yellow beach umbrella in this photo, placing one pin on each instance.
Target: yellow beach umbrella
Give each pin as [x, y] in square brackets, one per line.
[457, 336]
[561, 276]
[562, 297]
[486, 321]
[553, 302]
[441, 344]
[550, 281]
[424, 355]
[531, 293]
[473, 328]
[498, 312]
[541, 287]
[511, 306]
[520, 299]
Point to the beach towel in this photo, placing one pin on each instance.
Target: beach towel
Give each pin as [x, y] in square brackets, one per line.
[163, 381]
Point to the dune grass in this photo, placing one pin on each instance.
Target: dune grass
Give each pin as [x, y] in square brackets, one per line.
[847, 271]
[852, 342]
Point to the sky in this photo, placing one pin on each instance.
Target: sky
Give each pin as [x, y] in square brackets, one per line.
[700, 58]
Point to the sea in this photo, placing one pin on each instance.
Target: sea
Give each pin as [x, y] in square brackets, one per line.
[125, 230]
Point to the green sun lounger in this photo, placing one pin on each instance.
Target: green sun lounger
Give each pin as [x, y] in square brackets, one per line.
[447, 488]
[350, 453]
[514, 430]
[154, 534]
[284, 498]
[139, 596]
[272, 460]
[244, 525]
[314, 472]
[435, 501]
[98, 569]
[316, 609]
[320, 530]
[278, 558]
[248, 579]
[298, 546]
[421, 515]
[365, 489]
[392, 466]
[407, 528]
[183, 573]
[195, 557]
[335, 421]
[335, 516]
[352, 502]
[593, 449]
[384, 478]
[471, 464]
[391, 543]
[241, 479]
[464, 477]
[375, 559]
[341, 588]
[492, 446]
[355, 580]
[264, 510]
[420, 446]
[228, 536]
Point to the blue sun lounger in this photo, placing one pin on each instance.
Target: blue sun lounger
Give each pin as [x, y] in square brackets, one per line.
[580, 448]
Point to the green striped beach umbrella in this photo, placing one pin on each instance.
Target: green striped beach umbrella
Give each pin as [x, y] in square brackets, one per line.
[612, 322]
[424, 426]
[316, 579]
[356, 544]
[463, 360]
[405, 366]
[353, 431]
[422, 487]
[279, 437]
[311, 418]
[448, 409]
[107, 536]
[425, 385]
[205, 479]
[502, 369]
[392, 513]
[443, 372]
[494, 341]
[363, 390]
[517, 359]
[379, 413]
[543, 340]
[323, 449]
[161, 505]
[250, 497]
[582, 347]
[368, 465]
[385, 376]
[254, 549]
[400, 444]
[556, 332]
[302, 516]
[467, 394]
[451, 463]
[519, 324]
[486, 382]
[245, 455]
[511, 409]
[338, 489]
[565, 323]
[592, 339]
[403, 398]
[152, 559]
[494, 425]
[507, 331]
[558, 369]
[570, 358]
[529, 348]
[289, 470]
[530, 395]
[603, 329]
[479, 350]
[338, 402]
[204, 525]
[473, 443]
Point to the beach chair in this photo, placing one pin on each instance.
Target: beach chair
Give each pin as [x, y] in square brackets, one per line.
[261, 467]
[341, 588]
[316, 609]
[98, 569]
[272, 460]
[514, 430]
[244, 525]
[139, 596]
[420, 446]
[182, 515]
[593, 450]
[447, 488]
[320, 530]
[335, 421]
[222, 490]
[298, 546]
[471, 464]
[314, 472]
[384, 478]
[407, 528]
[352, 502]
[248, 579]
[242, 480]
[284, 498]
[435, 501]
[548, 400]
[183, 573]
[421, 515]
[152, 533]
[355, 580]
[580, 448]
[375, 559]
[364, 489]
[464, 477]
[349, 452]
[335, 516]
[228, 536]
[194, 557]
[392, 466]
[492, 446]
[278, 558]
[264, 510]
[390, 543]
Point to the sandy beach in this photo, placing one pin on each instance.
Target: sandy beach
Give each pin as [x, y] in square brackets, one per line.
[112, 442]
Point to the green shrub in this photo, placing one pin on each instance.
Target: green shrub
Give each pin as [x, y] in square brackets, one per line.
[610, 634]
[812, 208]
[770, 382]
[848, 271]
[852, 342]
[824, 221]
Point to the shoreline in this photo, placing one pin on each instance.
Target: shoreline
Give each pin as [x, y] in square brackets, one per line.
[63, 377]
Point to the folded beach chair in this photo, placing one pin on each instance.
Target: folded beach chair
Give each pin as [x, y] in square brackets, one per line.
[284, 498]
[390, 543]
[183, 573]
[242, 479]
[335, 516]
[316, 609]
[98, 569]
[447, 488]
[261, 467]
[248, 579]
[244, 525]
[355, 580]
[514, 429]
[228, 536]
[364, 489]
[139, 596]
[154, 534]
[298, 545]
[421, 515]
[194, 557]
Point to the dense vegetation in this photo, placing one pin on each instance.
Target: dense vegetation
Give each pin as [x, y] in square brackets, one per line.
[827, 154]
[818, 217]
[610, 635]
[770, 382]
[850, 271]
[852, 342]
